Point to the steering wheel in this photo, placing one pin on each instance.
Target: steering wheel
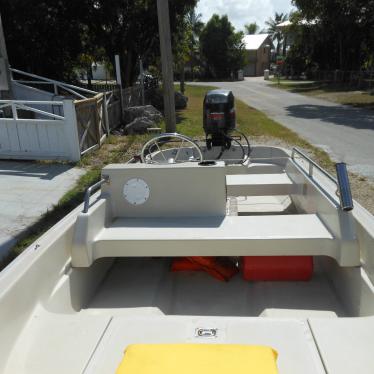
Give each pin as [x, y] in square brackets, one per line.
[154, 146]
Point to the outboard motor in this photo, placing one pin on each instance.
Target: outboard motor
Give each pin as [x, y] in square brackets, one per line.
[218, 118]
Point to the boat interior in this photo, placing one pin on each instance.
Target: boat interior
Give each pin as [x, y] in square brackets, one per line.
[100, 279]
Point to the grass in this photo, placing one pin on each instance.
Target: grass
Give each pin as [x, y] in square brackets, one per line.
[333, 92]
[119, 149]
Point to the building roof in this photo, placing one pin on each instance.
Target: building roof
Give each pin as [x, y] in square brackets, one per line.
[254, 42]
[303, 22]
[284, 24]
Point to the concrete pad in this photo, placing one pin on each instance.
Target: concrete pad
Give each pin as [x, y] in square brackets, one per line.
[27, 190]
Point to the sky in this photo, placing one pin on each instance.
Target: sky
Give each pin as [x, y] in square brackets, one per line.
[241, 12]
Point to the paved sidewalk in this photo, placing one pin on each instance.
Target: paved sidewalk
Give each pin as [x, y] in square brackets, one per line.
[345, 132]
[27, 190]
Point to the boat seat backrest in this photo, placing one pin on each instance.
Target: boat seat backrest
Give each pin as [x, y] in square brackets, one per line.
[176, 190]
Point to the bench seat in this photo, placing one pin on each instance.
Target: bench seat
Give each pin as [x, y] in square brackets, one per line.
[259, 185]
[216, 236]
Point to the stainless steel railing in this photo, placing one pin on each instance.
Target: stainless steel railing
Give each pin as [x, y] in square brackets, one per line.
[90, 190]
[312, 165]
[342, 183]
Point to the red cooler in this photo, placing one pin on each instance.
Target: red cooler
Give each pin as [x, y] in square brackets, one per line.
[277, 268]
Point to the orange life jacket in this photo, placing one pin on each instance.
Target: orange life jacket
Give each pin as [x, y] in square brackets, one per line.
[220, 268]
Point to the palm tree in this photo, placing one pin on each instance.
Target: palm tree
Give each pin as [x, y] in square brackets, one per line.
[276, 33]
[195, 26]
[251, 28]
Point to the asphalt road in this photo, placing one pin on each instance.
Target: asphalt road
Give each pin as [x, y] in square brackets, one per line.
[345, 132]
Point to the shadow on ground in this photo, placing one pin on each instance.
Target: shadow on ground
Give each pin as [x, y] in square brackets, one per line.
[339, 115]
[33, 169]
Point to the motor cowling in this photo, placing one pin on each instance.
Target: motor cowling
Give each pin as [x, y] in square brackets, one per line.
[219, 118]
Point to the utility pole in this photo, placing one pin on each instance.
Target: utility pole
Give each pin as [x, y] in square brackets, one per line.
[119, 82]
[167, 64]
[118, 71]
[141, 70]
[5, 85]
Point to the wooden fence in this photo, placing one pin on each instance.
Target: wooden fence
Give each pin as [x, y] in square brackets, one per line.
[91, 125]
[131, 96]
[100, 87]
[113, 108]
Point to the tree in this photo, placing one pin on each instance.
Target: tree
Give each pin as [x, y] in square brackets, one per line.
[222, 47]
[130, 28]
[276, 33]
[45, 37]
[182, 50]
[346, 31]
[195, 26]
[53, 38]
[251, 28]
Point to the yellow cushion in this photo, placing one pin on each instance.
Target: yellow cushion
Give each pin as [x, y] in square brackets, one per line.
[198, 358]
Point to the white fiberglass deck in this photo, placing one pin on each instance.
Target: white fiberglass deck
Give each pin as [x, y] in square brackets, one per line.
[140, 300]
[146, 285]
[95, 344]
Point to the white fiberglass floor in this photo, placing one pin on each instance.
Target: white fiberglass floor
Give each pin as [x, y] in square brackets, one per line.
[146, 285]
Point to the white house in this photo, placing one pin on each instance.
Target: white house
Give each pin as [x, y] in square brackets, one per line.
[258, 47]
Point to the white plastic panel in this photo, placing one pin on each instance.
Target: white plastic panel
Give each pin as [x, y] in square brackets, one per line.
[136, 191]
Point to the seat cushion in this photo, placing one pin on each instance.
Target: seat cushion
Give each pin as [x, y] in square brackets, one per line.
[198, 359]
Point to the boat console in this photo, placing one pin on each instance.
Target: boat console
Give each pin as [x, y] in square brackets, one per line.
[175, 208]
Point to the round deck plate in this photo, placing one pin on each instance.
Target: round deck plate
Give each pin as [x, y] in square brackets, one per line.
[136, 191]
